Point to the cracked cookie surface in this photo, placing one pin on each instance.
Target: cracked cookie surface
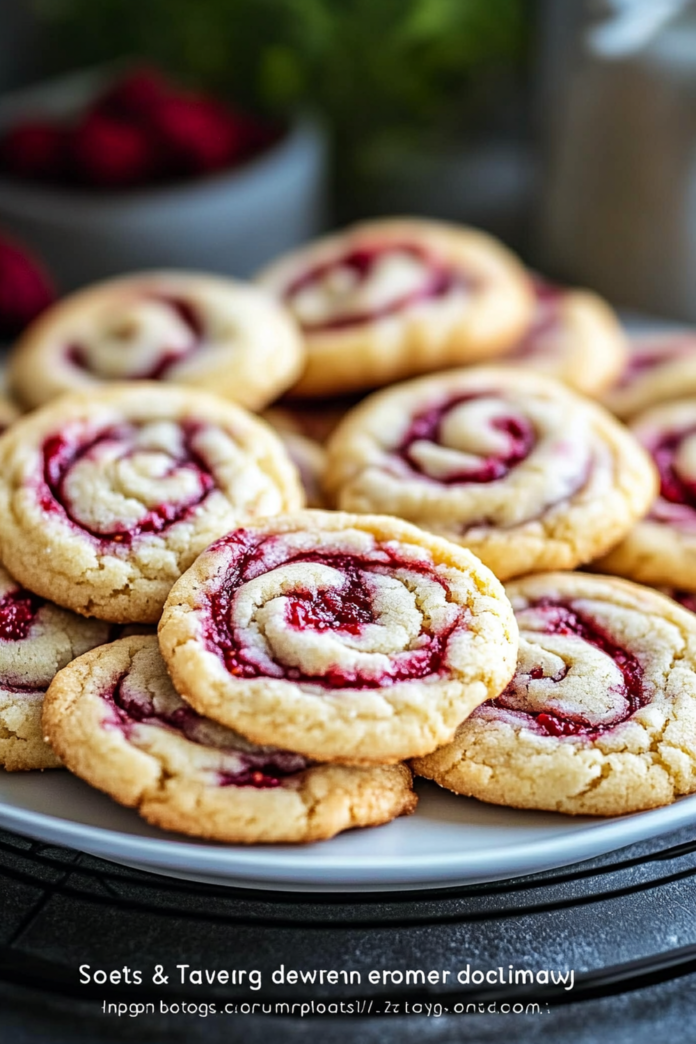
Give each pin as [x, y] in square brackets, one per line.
[107, 498]
[344, 637]
[119, 724]
[198, 330]
[37, 639]
[600, 717]
[510, 464]
[390, 299]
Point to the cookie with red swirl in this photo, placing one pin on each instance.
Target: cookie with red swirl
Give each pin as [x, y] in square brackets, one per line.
[120, 725]
[37, 639]
[202, 331]
[511, 464]
[106, 498]
[574, 336]
[661, 367]
[390, 299]
[600, 717]
[345, 638]
[661, 548]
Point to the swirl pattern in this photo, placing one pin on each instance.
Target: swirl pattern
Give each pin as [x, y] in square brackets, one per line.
[507, 463]
[199, 330]
[599, 715]
[369, 283]
[117, 722]
[344, 637]
[661, 548]
[116, 493]
[390, 299]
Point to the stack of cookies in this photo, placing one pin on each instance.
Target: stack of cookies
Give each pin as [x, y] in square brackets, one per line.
[329, 595]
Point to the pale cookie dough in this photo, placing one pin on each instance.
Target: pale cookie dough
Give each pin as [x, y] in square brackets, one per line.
[600, 718]
[199, 330]
[37, 639]
[574, 336]
[390, 299]
[661, 367]
[511, 464]
[107, 497]
[346, 638]
[119, 724]
[661, 548]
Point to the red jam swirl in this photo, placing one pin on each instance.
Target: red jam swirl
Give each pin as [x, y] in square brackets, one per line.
[61, 452]
[426, 426]
[438, 281]
[346, 610]
[565, 620]
[675, 488]
[18, 611]
[130, 706]
[168, 357]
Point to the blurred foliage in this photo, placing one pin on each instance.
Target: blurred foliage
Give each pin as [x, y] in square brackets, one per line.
[380, 70]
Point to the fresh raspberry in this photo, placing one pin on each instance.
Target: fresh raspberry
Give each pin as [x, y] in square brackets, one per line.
[133, 96]
[199, 135]
[33, 150]
[25, 289]
[109, 153]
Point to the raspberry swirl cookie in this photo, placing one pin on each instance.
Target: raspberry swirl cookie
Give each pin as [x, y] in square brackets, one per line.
[508, 463]
[574, 336]
[118, 723]
[661, 367]
[390, 299]
[600, 718]
[345, 638]
[37, 639]
[661, 548]
[203, 331]
[107, 498]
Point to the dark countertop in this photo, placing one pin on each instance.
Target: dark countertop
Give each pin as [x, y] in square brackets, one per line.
[625, 922]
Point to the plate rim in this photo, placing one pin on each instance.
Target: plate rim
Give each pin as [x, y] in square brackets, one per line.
[259, 866]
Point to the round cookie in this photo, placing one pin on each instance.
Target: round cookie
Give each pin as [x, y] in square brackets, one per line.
[118, 723]
[660, 367]
[661, 548]
[390, 299]
[37, 639]
[600, 718]
[346, 638]
[511, 464]
[107, 497]
[204, 331]
[574, 336]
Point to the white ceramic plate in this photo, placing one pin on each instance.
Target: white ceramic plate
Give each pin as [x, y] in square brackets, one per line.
[449, 841]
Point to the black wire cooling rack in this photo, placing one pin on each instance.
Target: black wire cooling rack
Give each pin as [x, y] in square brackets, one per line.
[625, 922]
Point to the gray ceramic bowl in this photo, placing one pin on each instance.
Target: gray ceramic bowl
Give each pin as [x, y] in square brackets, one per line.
[232, 222]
